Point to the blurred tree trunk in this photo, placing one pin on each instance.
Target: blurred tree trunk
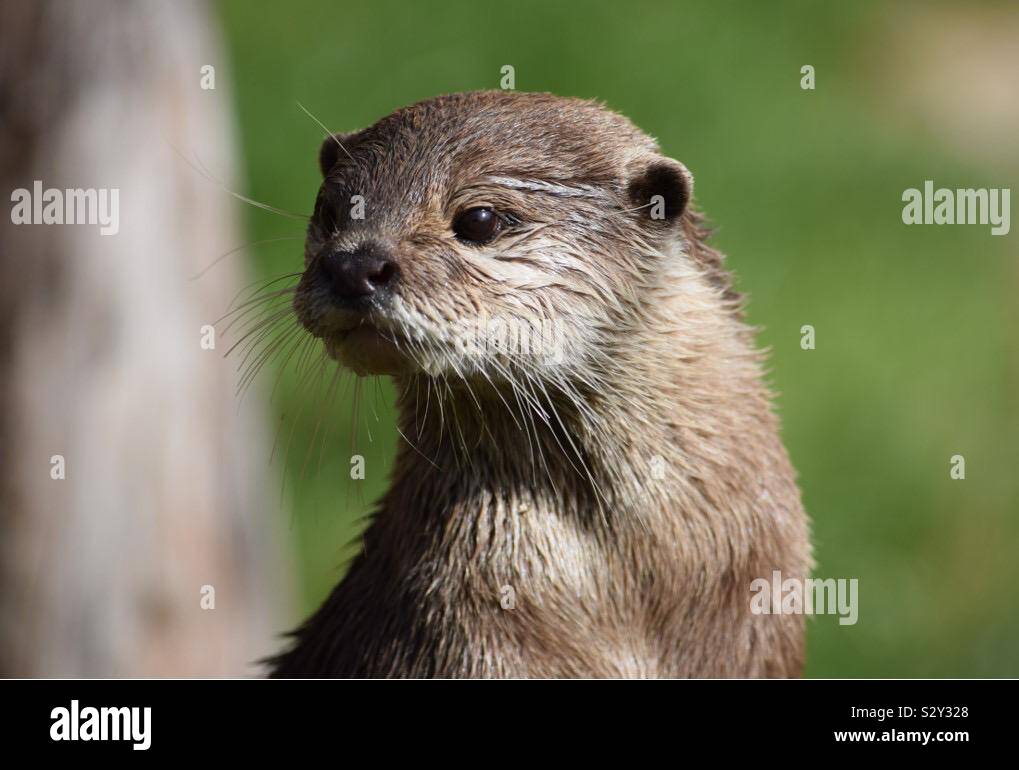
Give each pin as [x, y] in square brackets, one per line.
[101, 574]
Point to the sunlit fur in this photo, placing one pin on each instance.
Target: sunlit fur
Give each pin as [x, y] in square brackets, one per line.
[621, 495]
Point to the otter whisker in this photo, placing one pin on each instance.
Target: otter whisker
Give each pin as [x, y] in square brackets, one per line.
[261, 289]
[412, 353]
[338, 377]
[290, 439]
[221, 257]
[328, 132]
[262, 284]
[527, 422]
[307, 355]
[484, 425]
[367, 425]
[203, 171]
[255, 357]
[467, 456]
[295, 346]
[252, 335]
[255, 317]
[498, 393]
[535, 410]
[417, 405]
[302, 380]
[272, 350]
[414, 446]
[355, 414]
[245, 199]
[251, 307]
[254, 306]
[428, 403]
[599, 492]
[438, 403]
[263, 343]
[536, 382]
[322, 406]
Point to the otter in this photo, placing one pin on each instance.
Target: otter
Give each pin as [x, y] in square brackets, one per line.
[596, 512]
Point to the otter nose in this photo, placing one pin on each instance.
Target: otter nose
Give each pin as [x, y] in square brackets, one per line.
[357, 275]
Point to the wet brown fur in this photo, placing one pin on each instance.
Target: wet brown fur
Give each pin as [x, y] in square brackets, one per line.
[604, 517]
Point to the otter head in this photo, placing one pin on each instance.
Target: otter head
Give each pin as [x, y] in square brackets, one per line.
[476, 233]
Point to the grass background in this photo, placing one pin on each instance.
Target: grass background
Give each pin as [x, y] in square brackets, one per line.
[917, 343]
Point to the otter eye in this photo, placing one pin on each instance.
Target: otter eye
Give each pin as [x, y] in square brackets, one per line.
[478, 225]
[324, 214]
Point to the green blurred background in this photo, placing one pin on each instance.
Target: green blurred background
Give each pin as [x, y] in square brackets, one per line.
[917, 354]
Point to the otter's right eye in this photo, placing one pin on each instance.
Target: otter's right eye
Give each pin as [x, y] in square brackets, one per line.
[324, 214]
[479, 225]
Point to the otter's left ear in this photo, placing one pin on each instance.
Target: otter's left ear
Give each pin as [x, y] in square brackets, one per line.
[332, 150]
[659, 190]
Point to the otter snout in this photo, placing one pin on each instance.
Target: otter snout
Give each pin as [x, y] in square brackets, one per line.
[355, 278]
[345, 298]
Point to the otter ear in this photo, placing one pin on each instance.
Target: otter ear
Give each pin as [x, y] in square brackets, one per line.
[659, 190]
[332, 150]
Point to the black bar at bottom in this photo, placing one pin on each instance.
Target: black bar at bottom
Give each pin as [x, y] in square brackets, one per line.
[432, 719]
